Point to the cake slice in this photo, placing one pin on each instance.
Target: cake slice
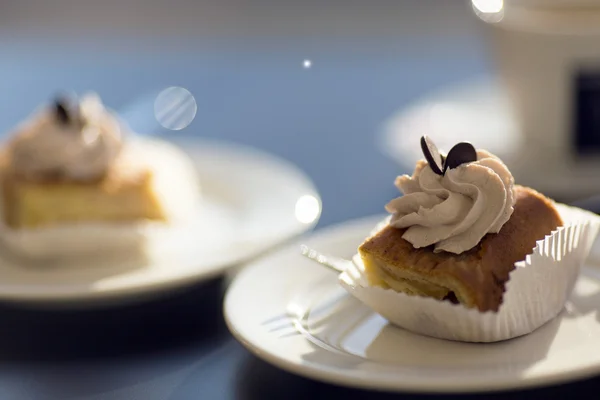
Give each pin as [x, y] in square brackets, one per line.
[124, 194]
[475, 278]
[70, 163]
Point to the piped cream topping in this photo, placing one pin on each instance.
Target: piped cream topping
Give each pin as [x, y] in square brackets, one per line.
[79, 149]
[456, 210]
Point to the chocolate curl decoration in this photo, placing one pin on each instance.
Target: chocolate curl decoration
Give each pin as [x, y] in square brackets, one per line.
[66, 110]
[61, 111]
[432, 155]
[461, 153]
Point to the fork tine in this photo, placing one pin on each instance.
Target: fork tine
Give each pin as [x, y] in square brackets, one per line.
[334, 263]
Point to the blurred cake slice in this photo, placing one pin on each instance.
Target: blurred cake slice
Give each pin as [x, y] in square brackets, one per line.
[124, 194]
[69, 164]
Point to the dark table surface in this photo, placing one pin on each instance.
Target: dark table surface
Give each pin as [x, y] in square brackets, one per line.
[251, 87]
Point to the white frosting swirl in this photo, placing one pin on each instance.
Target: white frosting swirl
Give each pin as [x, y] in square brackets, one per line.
[80, 150]
[455, 211]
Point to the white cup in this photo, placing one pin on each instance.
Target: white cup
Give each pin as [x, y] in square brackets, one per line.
[547, 55]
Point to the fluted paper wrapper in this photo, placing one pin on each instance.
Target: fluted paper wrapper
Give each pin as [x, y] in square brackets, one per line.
[536, 291]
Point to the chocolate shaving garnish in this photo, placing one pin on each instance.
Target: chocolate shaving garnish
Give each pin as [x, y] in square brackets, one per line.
[61, 110]
[432, 155]
[67, 111]
[461, 153]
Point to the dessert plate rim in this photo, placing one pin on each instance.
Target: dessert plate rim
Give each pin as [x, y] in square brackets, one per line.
[296, 351]
[257, 160]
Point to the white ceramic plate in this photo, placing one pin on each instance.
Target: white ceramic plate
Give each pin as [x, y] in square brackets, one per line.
[292, 313]
[251, 202]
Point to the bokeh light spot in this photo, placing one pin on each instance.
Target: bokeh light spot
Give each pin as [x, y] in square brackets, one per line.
[308, 209]
[175, 108]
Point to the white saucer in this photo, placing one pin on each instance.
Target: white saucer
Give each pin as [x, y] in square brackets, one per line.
[292, 313]
[251, 202]
[479, 111]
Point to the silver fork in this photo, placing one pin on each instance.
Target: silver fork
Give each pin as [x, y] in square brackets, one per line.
[337, 264]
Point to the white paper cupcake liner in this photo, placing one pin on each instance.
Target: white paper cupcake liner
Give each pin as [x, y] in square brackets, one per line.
[536, 292]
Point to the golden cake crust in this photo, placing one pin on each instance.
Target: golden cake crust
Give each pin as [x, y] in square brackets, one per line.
[476, 277]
